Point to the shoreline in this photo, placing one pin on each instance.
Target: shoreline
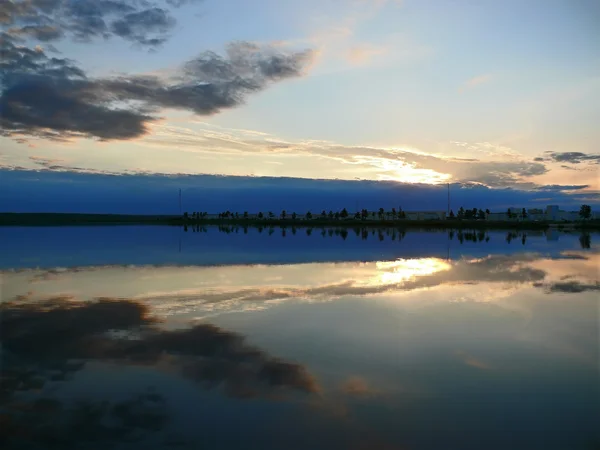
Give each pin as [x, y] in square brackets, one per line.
[69, 219]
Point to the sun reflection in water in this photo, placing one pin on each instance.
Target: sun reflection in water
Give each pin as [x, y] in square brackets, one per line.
[395, 272]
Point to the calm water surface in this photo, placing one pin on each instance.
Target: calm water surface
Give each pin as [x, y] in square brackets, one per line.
[233, 338]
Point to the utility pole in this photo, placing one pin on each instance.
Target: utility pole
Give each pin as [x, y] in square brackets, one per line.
[179, 201]
[448, 209]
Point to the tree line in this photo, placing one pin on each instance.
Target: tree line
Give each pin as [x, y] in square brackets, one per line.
[585, 212]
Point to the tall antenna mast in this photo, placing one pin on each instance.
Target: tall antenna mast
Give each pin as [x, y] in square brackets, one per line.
[180, 201]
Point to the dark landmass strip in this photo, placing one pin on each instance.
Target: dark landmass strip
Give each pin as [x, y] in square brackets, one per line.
[63, 219]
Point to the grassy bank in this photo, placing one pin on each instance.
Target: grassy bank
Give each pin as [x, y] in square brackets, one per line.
[58, 219]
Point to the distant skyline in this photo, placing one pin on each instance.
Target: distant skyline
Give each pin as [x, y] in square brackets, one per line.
[502, 98]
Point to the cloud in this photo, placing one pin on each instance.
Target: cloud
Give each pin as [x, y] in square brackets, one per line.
[472, 361]
[42, 33]
[135, 25]
[357, 387]
[570, 287]
[51, 190]
[476, 81]
[563, 187]
[52, 332]
[142, 22]
[571, 157]
[42, 421]
[393, 277]
[53, 98]
[397, 164]
[362, 54]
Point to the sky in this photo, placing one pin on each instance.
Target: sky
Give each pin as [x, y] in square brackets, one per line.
[129, 99]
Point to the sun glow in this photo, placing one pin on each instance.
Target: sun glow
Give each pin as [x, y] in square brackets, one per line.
[401, 270]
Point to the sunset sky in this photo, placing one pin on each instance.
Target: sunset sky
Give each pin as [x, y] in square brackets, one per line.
[496, 96]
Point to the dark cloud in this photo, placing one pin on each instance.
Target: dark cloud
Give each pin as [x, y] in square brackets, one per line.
[573, 287]
[563, 187]
[135, 26]
[47, 422]
[142, 193]
[53, 98]
[49, 334]
[572, 157]
[140, 21]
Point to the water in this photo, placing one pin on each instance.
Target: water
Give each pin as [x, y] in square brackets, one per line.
[153, 337]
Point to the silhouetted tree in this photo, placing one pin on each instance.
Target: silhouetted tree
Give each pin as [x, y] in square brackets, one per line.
[271, 215]
[481, 215]
[585, 212]
[337, 215]
[487, 211]
[508, 213]
[245, 214]
[309, 215]
[451, 214]
[260, 215]
[294, 215]
[394, 213]
[344, 213]
[373, 214]
[323, 214]
[523, 214]
[185, 215]
[381, 213]
[330, 214]
[283, 214]
[461, 213]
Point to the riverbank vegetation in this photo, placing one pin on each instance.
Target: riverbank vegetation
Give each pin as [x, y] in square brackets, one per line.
[269, 219]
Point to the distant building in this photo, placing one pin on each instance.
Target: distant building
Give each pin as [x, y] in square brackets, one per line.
[552, 212]
[536, 214]
[425, 215]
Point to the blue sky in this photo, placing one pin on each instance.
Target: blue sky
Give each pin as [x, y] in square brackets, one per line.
[504, 95]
